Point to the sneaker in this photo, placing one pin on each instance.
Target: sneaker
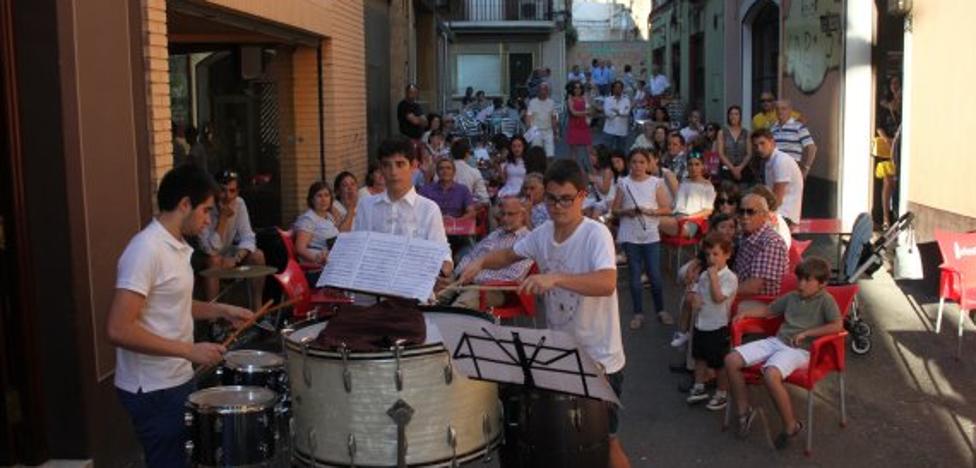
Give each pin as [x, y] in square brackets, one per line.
[783, 439]
[665, 318]
[637, 322]
[718, 402]
[645, 280]
[745, 422]
[697, 394]
[679, 339]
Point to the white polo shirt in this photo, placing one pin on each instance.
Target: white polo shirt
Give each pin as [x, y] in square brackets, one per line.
[593, 321]
[782, 168]
[410, 216]
[156, 265]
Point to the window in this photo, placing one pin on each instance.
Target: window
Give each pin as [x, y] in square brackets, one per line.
[479, 71]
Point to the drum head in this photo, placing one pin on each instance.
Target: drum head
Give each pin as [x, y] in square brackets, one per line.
[252, 360]
[232, 399]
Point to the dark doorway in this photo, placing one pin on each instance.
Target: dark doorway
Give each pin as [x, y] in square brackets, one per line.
[378, 100]
[676, 68]
[696, 49]
[765, 51]
[519, 70]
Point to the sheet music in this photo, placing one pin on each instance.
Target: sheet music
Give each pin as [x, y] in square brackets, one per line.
[385, 264]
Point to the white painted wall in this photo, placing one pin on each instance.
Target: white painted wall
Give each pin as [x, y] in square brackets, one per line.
[855, 160]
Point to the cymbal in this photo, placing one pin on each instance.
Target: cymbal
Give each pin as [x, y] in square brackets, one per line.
[239, 272]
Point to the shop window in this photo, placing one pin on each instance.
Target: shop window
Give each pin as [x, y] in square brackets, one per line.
[479, 71]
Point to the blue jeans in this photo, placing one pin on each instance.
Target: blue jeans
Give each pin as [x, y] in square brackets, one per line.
[644, 258]
[616, 142]
[158, 421]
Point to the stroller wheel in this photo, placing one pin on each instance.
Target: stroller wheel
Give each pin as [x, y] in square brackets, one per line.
[860, 345]
[862, 329]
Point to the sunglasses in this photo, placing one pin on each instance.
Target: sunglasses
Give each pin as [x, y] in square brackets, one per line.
[724, 201]
[747, 212]
[564, 201]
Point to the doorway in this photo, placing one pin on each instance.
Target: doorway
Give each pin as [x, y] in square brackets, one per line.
[519, 70]
[760, 52]
[696, 52]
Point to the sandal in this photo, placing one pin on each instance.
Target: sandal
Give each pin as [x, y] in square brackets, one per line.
[637, 322]
[665, 318]
[783, 439]
[745, 422]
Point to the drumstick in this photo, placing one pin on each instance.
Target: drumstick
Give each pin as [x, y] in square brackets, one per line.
[264, 310]
[640, 217]
[487, 287]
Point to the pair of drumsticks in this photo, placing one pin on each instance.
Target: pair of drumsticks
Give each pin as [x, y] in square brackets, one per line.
[264, 310]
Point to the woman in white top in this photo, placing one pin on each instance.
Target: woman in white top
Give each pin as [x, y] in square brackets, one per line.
[513, 169]
[641, 198]
[317, 227]
[695, 199]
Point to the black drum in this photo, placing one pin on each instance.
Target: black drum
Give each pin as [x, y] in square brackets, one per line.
[232, 426]
[255, 368]
[545, 428]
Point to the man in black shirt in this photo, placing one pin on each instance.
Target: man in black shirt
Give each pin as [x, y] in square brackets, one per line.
[410, 116]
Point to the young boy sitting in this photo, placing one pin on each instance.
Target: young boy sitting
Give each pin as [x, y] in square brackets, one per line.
[809, 312]
[711, 300]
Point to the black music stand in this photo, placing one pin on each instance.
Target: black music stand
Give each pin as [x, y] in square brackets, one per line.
[534, 358]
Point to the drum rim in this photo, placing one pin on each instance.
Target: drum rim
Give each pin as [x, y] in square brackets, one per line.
[408, 351]
[254, 368]
[492, 444]
[233, 409]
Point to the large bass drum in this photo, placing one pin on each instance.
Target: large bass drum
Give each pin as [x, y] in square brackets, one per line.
[380, 408]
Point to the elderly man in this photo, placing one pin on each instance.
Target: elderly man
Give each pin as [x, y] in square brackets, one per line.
[541, 115]
[229, 240]
[761, 260]
[512, 228]
[793, 137]
[782, 176]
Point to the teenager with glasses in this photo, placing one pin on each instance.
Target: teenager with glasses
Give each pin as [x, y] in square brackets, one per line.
[578, 278]
[640, 201]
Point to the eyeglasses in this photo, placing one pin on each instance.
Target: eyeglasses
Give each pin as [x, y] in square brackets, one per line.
[725, 201]
[564, 201]
[766, 100]
[744, 212]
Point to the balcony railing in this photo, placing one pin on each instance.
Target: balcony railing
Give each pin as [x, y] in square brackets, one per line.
[500, 10]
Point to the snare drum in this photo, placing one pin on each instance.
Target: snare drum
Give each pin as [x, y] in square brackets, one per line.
[344, 403]
[232, 426]
[256, 369]
[546, 428]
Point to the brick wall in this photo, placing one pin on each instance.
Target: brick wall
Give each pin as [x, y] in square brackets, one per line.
[156, 60]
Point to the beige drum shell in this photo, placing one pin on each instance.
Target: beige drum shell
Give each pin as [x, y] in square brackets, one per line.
[325, 415]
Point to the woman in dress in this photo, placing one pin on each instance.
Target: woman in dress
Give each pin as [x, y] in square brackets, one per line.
[734, 150]
[640, 201]
[577, 131]
[316, 229]
[513, 169]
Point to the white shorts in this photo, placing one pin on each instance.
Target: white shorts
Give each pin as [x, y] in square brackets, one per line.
[776, 354]
[546, 141]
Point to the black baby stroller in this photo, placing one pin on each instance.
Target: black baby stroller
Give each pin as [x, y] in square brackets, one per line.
[862, 258]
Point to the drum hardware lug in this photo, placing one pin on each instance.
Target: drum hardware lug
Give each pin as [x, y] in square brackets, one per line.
[188, 419]
[189, 449]
[310, 437]
[346, 373]
[576, 416]
[486, 431]
[452, 442]
[218, 425]
[219, 455]
[401, 413]
[398, 375]
[263, 420]
[263, 448]
[351, 446]
[448, 372]
[306, 373]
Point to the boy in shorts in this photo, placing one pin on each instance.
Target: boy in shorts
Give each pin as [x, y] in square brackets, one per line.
[711, 300]
[808, 312]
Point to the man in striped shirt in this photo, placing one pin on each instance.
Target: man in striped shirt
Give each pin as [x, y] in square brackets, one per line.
[793, 138]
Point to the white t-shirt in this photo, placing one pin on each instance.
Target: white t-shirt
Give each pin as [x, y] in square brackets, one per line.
[540, 113]
[593, 321]
[617, 111]
[782, 168]
[514, 178]
[714, 315]
[645, 192]
[156, 265]
[693, 197]
[783, 229]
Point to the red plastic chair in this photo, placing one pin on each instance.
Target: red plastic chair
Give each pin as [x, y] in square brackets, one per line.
[957, 277]
[797, 247]
[679, 242]
[515, 304]
[827, 354]
[318, 302]
[287, 237]
[787, 284]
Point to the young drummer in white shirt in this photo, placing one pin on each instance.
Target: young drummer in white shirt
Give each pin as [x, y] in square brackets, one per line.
[577, 260]
[711, 300]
